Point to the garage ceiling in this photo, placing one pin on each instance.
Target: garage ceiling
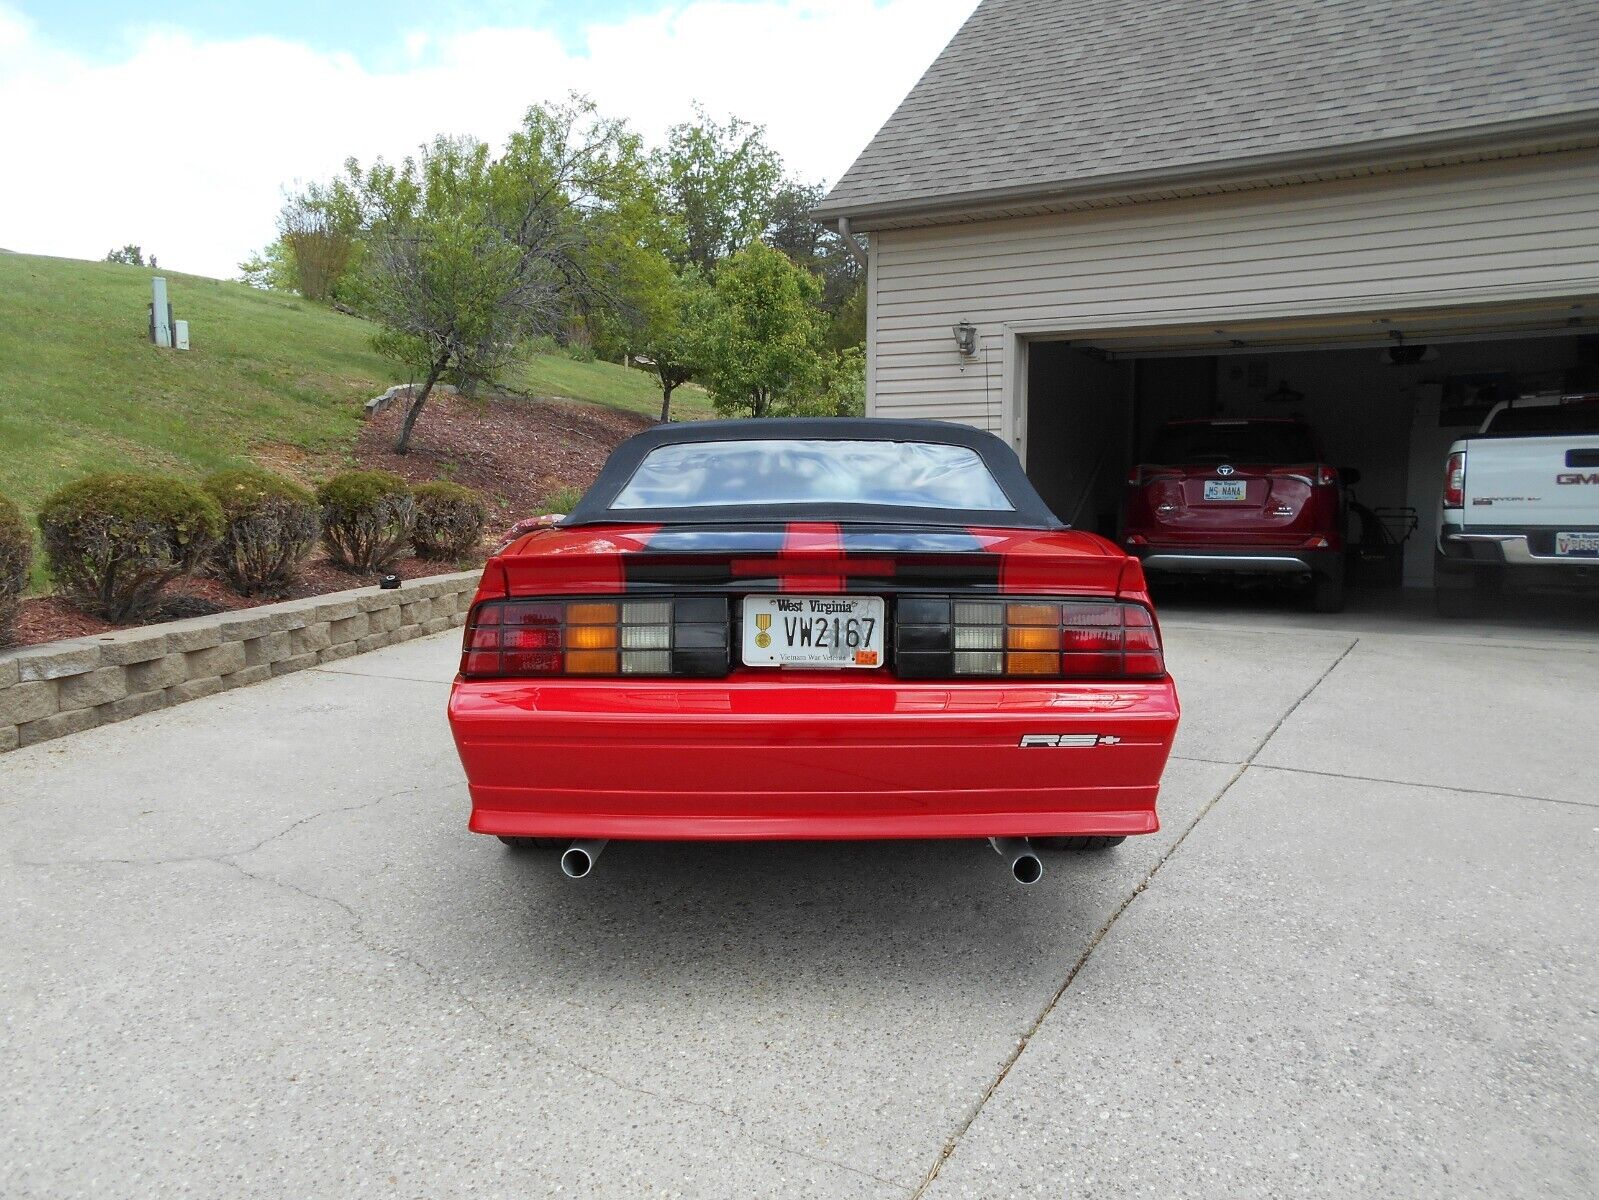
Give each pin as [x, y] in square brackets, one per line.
[1560, 318]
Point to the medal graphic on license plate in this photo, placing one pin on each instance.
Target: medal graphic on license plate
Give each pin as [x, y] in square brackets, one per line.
[763, 622]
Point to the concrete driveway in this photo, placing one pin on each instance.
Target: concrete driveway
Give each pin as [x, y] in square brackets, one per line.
[250, 950]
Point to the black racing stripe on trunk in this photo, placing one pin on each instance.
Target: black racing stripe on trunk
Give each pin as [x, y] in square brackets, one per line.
[650, 571]
[972, 570]
[701, 557]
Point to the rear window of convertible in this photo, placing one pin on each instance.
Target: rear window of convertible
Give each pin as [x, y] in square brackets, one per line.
[813, 471]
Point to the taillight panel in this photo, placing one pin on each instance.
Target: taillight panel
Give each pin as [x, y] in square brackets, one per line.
[676, 636]
[1455, 480]
[940, 637]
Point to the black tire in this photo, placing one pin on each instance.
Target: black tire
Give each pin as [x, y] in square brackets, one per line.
[1076, 844]
[519, 843]
[1328, 593]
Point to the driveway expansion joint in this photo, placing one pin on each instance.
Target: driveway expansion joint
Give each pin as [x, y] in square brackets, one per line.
[1429, 786]
[1104, 930]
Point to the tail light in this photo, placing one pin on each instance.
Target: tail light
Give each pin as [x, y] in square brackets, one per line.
[1135, 475]
[943, 638]
[661, 637]
[1455, 480]
[1326, 476]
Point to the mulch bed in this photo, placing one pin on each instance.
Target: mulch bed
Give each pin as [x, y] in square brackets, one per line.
[516, 452]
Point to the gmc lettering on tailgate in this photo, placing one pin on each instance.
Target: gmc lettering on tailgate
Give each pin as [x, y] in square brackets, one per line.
[1577, 477]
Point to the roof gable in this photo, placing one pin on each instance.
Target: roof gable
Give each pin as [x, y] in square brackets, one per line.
[1035, 96]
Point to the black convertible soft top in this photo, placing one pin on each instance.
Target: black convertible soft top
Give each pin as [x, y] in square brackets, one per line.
[1028, 510]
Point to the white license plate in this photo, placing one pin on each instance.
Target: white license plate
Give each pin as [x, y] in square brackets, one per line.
[813, 631]
[1226, 489]
[1579, 545]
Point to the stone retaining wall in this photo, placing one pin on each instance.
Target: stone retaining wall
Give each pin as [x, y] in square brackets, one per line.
[65, 687]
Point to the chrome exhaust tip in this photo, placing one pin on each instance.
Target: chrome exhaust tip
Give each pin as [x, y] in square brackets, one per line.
[1025, 865]
[578, 859]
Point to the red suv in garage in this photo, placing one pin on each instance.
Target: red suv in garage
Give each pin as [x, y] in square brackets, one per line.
[1250, 499]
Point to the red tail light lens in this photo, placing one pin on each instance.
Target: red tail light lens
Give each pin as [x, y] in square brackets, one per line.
[1326, 476]
[942, 638]
[685, 636]
[1455, 480]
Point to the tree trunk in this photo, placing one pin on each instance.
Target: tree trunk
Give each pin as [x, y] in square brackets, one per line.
[402, 444]
[666, 400]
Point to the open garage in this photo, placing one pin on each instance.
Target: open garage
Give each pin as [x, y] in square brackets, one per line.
[1068, 251]
[1384, 395]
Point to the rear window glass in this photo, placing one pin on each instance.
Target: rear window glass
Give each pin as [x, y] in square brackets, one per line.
[1198, 445]
[812, 472]
[1579, 418]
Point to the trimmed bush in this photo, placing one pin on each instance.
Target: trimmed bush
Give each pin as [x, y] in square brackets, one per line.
[114, 541]
[367, 517]
[269, 525]
[449, 520]
[16, 558]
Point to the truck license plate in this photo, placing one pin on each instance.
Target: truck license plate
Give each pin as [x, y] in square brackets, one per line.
[813, 631]
[1226, 489]
[1577, 545]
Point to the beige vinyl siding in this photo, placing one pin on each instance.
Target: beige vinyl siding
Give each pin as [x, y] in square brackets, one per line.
[1504, 230]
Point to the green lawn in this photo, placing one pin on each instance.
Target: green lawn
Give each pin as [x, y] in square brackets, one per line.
[85, 391]
[606, 383]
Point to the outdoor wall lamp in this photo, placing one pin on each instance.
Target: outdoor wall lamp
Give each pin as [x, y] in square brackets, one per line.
[966, 339]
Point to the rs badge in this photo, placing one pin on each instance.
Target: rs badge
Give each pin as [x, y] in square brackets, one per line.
[1068, 741]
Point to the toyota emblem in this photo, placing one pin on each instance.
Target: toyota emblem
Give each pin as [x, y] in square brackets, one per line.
[1224, 470]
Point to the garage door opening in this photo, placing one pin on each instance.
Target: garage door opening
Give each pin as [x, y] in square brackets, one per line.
[1385, 396]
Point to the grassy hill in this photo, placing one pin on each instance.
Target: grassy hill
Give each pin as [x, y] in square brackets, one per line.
[270, 377]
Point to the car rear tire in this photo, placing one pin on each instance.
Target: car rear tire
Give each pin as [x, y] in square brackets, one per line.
[1076, 844]
[521, 843]
[1328, 593]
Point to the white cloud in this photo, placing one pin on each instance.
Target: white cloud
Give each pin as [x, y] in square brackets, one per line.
[184, 145]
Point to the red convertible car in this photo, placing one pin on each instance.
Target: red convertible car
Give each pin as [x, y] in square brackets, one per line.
[813, 629]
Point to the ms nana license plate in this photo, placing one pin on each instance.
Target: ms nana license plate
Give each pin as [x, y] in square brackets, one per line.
[1226, 489]
[813, 631]
[1577, 545]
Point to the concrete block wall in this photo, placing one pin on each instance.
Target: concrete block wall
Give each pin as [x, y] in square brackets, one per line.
[63, 687]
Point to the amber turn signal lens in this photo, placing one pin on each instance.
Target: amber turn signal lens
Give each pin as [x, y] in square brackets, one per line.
[1032, 614]
[591, 662]
[1032, 664]
[1033, 637]
[591, 637]
[592, 614]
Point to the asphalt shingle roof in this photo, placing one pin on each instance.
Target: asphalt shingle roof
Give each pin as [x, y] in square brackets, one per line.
[1035, 93]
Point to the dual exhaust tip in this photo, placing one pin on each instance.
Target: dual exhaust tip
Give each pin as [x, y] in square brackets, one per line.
[578, 859]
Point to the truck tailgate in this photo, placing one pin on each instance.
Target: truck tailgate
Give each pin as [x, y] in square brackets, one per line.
[1532, 481]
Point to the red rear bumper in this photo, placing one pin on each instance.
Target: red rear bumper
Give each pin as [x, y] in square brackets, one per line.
[753, 757]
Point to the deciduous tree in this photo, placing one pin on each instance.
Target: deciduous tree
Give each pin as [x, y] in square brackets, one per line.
[470, 254]
[761, 351]
[717, 182]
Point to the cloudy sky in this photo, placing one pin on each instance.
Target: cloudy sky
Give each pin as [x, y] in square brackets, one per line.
[176, 125]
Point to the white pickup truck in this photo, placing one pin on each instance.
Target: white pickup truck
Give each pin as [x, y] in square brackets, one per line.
[1521, 502]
